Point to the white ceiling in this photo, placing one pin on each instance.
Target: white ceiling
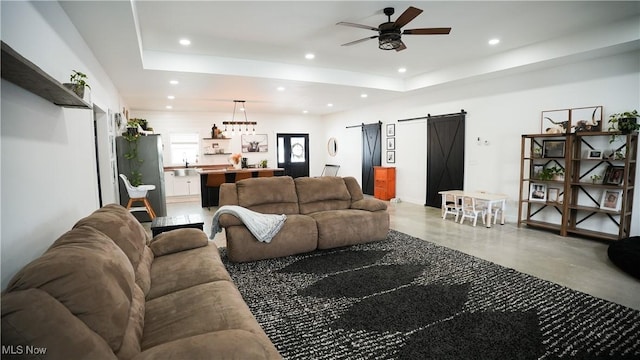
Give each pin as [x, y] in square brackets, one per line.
[246, 49]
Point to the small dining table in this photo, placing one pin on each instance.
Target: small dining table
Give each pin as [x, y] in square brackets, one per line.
[489, 198]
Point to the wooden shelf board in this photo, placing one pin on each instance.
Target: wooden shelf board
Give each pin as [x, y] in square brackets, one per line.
[22, 72]
[218, 154]
[216, 138]
[542, 224]
[593, 234]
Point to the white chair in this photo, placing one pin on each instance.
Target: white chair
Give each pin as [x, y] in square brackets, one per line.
[470, 210]
[451, 204]
[138, 194]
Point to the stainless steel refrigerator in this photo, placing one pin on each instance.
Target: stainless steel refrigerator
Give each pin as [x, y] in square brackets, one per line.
[152, 169]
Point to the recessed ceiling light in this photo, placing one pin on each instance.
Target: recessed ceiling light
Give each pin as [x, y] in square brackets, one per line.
[305, 111]
[169, 107]
[174, 82]
[185, 42]
[171, 97]
[280, 88]
[330, 105]
[309, 56]
[494, 41]
[402, 70]
[363, 95]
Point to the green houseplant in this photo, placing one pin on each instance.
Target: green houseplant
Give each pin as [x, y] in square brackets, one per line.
[78, 83]
[625, 122]
[132, 136]
[552, 173]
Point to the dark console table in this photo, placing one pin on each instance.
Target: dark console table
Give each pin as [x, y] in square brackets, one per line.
[161, 224]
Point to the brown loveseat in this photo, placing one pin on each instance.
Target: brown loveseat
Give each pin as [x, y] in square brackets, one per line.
[103, 291]
[322, 213]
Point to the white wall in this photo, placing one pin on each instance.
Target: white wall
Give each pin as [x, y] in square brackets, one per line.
[167, 122]
[498, 110]
[48, 162]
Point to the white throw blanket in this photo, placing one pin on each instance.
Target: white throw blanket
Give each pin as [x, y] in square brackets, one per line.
[263, 226]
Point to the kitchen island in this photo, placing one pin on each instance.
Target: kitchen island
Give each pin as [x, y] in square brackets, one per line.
[210, 180]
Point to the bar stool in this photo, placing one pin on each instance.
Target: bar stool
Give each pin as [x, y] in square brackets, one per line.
[138, 194]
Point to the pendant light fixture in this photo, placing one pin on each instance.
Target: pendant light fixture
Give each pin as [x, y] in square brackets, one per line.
[233, 121]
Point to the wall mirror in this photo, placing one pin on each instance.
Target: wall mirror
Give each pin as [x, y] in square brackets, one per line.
[332, 146]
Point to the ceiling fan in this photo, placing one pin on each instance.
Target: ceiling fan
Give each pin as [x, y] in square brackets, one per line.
[390, 32]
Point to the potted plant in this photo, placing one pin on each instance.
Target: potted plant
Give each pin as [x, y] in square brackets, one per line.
[132, 125]
[625, 122]
[553, 173]
[78, 83]
[595, 178]
[263, 164]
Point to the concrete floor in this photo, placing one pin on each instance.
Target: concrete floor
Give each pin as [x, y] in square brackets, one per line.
[577, 263]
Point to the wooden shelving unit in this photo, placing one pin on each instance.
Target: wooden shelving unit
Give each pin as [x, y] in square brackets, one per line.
[579, 210]
[22, 72]
[215, 139]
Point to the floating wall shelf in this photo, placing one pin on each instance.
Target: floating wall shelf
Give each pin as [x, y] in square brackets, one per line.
[22, 72]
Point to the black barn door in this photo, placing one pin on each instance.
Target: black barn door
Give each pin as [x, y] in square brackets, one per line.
[371, 154]
[445, 155]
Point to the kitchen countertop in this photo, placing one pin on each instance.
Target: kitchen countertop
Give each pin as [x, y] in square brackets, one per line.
[226, 171]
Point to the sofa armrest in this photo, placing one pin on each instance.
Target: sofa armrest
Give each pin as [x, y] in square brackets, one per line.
[178, 240]
[227, 220]
[369, 205]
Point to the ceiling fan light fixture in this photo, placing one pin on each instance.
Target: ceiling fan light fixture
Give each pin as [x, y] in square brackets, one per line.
[389, 40]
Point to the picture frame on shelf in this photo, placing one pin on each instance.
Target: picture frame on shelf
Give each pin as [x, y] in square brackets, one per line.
[537, 192]
[537, 171]
[391, 157]
[611, 200]
[391, 130]
[391, 143]
[586, 119]
[555, 122]
[553, 148]
[596, 154]
[552, 194]
[614, 175]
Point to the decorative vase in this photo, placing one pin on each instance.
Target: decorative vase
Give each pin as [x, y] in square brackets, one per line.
[237, 166]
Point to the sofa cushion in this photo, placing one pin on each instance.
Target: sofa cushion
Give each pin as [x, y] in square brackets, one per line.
[122, 227]
[143, 272]
[354, 188]
[299, 234]
[348, 227]
[89, 274]
[221, 345]
[33, 318]
[198, 310]
[178, 240]
[322, 194]
[272, 195]
[133, 333]
[184, 269]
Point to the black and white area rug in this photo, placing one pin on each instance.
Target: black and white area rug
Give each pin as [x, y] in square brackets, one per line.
[406, 298]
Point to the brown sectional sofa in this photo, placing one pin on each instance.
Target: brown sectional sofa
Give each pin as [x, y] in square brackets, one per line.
[104, 290]
[322, 213]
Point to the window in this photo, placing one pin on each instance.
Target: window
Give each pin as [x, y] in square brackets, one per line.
[184, 147]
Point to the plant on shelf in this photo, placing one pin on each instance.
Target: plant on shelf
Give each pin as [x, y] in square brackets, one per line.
[78, 83]
[595, 178]
[263, 163]
[537, 152]
[553, 173]
[625, 122]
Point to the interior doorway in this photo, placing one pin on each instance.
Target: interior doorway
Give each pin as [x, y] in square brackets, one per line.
[293, 154]
[445, 155]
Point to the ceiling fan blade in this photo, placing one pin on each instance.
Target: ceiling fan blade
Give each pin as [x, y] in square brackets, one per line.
[359, 41]
[401, 47]
[358, 26]
[427, 31]
[407, 16]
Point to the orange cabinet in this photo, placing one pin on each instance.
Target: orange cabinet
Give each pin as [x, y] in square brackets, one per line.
[384, 187]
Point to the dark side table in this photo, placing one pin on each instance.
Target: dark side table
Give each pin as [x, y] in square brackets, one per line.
[166, 223]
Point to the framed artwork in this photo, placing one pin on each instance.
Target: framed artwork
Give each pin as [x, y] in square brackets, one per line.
[391, 143]
[553, 148]
[537, 170]
[614, 175]
[555, 122]
[254, 143]
[537, 192]
[391, 129]
[594, 154]
[586, 119]
[611, 200]
[552, 194]
[391, 157]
